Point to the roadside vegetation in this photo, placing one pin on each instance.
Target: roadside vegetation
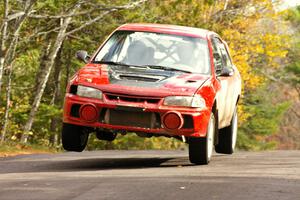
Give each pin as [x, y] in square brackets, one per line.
[39, 40]
[13, 149]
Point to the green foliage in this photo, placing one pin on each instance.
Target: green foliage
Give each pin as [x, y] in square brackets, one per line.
[42, 123]
[133, 142]
[263, 121]
[293, 68]
[293, 15]
[25, 67]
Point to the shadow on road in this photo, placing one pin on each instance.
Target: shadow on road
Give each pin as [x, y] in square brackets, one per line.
[91, 164]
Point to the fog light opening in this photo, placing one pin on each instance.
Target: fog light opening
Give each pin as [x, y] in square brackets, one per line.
[172, 120]
[88, 112]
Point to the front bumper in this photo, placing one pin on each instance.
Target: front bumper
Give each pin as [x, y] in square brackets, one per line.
[114, 114]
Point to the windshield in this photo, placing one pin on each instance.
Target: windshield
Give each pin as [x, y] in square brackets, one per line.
[156, 49]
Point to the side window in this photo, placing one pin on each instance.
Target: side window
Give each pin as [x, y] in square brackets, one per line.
[111, 48]
[221, 56]
[217, 54]
[225, 55]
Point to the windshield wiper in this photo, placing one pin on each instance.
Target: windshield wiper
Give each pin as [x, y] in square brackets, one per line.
[121, 64]
[144, 66]
[166, 68]
[111, 63]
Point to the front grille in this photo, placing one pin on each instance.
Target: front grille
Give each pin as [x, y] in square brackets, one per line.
[136, 99]
[131, 118]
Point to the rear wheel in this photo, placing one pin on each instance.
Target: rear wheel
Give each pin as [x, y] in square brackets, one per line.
[200, 149]
[74, 138]
[228, 136]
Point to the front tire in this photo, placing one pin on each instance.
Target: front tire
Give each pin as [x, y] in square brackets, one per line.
[74, 138]
[228, 136]
[200, 149]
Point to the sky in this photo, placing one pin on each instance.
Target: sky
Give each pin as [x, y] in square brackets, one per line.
[289, 3]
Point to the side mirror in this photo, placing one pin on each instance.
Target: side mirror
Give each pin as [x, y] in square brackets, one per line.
[83, 56]
[226, 72]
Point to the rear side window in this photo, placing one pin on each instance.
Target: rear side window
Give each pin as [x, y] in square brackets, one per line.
[218, 61]
[221, 56]
[225, 55]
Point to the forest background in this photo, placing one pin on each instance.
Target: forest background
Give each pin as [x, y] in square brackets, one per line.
[39, 39]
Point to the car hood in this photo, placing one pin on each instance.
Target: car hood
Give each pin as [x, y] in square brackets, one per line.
[137, 81]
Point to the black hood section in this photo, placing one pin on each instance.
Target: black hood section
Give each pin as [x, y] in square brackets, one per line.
[134, 76]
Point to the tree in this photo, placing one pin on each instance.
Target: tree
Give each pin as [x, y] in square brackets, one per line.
[49, 62]
[8, 55]
[294, 67]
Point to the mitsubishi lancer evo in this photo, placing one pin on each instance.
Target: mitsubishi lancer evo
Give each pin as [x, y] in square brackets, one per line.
[156, 80]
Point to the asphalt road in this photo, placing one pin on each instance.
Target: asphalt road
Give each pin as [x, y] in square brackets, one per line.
[165, 175]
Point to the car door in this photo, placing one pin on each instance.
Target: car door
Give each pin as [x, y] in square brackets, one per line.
[225, 95]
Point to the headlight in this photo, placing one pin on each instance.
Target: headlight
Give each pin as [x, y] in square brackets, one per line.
[88, 92]
[196, 101]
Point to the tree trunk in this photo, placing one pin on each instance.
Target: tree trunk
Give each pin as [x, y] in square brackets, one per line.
[3, 41]
[42, 68]
[8, 93]
[68, 64]
[55, 121]
[6, 114]
[49, 64]
[226, 4]
[7, 107]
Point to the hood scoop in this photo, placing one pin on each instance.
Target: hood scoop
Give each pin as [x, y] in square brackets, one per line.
[141, 77]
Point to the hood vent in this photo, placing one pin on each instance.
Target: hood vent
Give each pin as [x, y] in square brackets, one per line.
[136, 77]
[135, 99]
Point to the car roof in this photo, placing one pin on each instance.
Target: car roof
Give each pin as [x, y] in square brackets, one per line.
[168, 29]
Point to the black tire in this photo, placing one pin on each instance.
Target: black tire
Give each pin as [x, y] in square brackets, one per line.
[227, 136]
[74, 138]
[200, 149]
[105, 135]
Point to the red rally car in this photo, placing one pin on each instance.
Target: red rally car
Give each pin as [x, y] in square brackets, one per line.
[156, 80]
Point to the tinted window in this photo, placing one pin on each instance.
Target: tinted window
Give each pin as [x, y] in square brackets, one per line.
[221, 56]
[218, 58]
[225, 55]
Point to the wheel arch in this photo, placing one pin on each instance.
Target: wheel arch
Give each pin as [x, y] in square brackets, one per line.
[238, 99]
[215, 111]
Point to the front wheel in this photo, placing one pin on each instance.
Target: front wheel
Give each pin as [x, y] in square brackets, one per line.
[228, 136]
[200, 149]
[74, 138]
